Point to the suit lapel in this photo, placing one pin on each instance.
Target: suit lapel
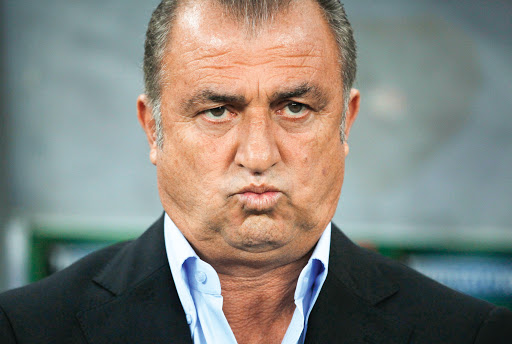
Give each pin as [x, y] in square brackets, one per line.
[345, 311]
[145, 307]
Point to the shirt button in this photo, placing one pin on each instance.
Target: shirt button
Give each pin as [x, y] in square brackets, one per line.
[189, 319]
[200, 277]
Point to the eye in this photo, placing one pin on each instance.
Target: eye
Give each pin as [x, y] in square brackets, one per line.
[218, 113]
[294, 109]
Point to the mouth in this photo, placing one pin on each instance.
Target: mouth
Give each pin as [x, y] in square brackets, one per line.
[258, 198]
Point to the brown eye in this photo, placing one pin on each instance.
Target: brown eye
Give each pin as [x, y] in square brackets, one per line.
[294, 109]
[217, 113]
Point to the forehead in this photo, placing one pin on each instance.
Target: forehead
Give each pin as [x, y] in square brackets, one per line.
[207, 42]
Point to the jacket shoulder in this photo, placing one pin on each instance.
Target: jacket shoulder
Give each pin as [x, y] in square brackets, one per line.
[436, 312]
[33, 311]
[74, 278]
[439, 312]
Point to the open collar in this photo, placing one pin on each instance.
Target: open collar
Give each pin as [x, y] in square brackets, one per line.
[145, 307]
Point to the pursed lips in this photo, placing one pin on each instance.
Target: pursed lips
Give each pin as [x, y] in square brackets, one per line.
[258, 197]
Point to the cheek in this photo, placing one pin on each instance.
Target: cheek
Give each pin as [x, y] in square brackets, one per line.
[318, 162]
[198, 161]
[317, 147]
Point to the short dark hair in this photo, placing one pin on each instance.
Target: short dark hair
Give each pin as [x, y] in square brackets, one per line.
[253, 13]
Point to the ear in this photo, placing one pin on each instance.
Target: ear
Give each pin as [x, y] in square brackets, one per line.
[351, 114]
[145, 116]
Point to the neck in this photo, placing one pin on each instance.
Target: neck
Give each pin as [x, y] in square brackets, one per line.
[259, 306]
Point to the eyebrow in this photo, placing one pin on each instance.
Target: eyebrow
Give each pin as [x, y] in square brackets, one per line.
[302, 90]
[211, 96]
[208, 95]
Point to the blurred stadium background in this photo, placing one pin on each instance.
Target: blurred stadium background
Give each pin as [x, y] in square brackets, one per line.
[429, 176]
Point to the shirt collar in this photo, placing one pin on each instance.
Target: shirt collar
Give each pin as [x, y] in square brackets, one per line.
[177, 247]
[183, 262]
[317, 264]
[179, 250]
[321, 251]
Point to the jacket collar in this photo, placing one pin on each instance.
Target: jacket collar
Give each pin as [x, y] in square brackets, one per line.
[346, 310]
[145, 307]
[357, 268]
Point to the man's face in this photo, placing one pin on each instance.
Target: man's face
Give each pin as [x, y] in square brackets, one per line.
[252, 164]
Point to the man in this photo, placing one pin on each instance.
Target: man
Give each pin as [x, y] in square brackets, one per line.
[247, 109]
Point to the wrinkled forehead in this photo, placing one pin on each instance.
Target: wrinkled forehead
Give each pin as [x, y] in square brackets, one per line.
[251, 16]
[203, 28]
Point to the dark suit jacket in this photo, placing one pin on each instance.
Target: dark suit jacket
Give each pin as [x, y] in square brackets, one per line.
[125, 294]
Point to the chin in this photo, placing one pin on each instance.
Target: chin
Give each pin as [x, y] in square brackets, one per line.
[259, 233]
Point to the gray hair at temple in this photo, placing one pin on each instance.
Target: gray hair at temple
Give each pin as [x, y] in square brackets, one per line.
[253, 13]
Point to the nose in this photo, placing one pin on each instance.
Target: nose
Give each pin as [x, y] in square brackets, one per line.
[257, 150]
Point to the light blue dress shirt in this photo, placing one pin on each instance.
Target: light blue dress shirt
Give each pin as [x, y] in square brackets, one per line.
[199, 290]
